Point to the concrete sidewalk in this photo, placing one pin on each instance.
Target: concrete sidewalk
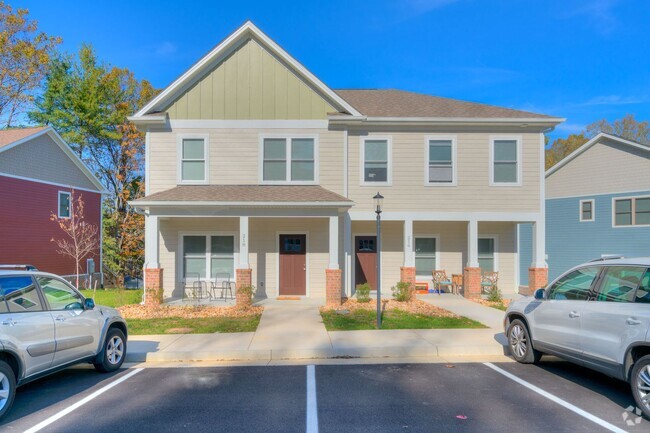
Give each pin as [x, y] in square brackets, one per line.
[457, 304]
[294, 330]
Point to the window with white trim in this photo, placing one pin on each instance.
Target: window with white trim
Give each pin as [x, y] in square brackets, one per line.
[288, 160]
[425, 255]
[193, 160]
[208, 255]
[64, 204]
[376, 160]
[505, 161]
[632, 211]
[486, 254]
[440, 169]
[586, 210]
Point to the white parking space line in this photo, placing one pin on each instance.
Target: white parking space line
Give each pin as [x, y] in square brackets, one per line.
[312, 406]
[557, 400]
[81, 402]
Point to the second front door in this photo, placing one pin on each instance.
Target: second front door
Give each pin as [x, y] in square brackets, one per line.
[293, 265]
[365, 271]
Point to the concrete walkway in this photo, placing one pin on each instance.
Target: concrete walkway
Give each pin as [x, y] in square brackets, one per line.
[294, 330]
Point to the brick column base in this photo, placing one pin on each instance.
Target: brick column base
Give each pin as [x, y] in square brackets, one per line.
[153, 286]
[407, 274]
[472, 283]
[244, 279]
[333, 287]
[537, 278]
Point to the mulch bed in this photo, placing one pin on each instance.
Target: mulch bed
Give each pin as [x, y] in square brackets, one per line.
[190, 312]
[415, 306]
[487, 303]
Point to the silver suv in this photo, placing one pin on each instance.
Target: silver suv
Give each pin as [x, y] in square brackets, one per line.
[47, 325]
[596, 315]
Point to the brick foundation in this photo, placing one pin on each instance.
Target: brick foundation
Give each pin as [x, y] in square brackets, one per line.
[472, 283]
[244, 279]
[333, 287]
[153, 286]
[537, 278]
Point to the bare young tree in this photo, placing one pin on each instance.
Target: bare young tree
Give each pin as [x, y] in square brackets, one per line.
[80, 238]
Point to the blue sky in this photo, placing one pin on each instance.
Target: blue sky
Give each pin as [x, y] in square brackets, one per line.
[580, 59]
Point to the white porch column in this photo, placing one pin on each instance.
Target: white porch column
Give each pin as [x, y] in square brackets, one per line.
[539, 245]
[347, 247]
[409, 248]
[334, 243]
[151, 243]
[243, 243]
[472, 244]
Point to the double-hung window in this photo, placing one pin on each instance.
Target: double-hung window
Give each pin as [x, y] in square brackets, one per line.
[632, 211]
[64, 205]
[425, 255]
[289, 160]
[193, 164]
[486, 254]
[505, 160]
[208, 256]
[586, 210]
[376, 154]
[441, 156]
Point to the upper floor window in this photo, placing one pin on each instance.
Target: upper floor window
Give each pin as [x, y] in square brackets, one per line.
[289, 160]
[505, 165]
[441, 159]
[64, 204]
[194, 159]
[632, 211]
[376, 161]
[587, 210]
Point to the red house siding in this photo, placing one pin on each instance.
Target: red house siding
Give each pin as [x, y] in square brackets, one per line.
[26, 231]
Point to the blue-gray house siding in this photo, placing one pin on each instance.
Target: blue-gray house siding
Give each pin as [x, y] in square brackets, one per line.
[570, 242]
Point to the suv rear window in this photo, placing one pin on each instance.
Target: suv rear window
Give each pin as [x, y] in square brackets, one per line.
[19, 295]
[620, 283]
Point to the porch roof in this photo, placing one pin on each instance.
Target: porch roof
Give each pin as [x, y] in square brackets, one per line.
[244, 195]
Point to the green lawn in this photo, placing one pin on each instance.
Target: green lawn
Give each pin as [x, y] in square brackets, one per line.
[206, 325]
[114, 297]
[392, 319]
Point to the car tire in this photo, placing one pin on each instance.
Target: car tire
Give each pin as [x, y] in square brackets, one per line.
[113, 351]
[520, 343]
[7, 388]
[640, 384]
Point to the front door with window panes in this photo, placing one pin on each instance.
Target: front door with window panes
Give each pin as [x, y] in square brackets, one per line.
[365, 270]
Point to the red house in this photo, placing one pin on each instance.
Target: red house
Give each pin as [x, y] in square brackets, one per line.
[39, 176]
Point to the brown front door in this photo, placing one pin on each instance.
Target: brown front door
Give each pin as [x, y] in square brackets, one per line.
[293, 265]
[365, 249]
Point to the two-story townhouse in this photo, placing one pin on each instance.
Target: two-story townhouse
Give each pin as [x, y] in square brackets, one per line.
[256, 169]
[597, 204]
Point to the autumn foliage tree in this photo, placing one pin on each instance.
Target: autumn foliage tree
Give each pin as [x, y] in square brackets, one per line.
[80, 239]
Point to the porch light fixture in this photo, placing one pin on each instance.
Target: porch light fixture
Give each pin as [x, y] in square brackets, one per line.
[379, 200]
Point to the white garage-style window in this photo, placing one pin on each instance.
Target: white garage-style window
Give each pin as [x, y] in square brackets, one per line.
[208, 256]
[64, 204]
[193, 159]
[289, 160]
[376, 161]
[505, 161]
[440, 161]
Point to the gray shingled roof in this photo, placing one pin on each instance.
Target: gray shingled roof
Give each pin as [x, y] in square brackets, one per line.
[245, 193]
[399, 103]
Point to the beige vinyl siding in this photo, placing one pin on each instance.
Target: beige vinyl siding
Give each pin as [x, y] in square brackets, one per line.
[606, 167]
[472, 193]
[234, 156]
[250, 84]
[41, 158]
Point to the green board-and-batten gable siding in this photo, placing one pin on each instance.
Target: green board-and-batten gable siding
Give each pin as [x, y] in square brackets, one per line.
[250, 84]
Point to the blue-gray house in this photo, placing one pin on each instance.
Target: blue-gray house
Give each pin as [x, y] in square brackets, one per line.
[597, 203]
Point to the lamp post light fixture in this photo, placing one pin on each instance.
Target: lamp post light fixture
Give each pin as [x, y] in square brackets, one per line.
[379, 199]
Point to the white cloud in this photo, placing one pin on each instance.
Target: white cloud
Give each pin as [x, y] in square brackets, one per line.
[599, 12]
[612, 100]
[165, 48]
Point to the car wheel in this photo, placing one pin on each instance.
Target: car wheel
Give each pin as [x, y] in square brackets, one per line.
[7, 388]
[113, 353]
[521, 346]
[640, 383]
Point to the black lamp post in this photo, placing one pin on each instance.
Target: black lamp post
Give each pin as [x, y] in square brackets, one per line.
[379, 199]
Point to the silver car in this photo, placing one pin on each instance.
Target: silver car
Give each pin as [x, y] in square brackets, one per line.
[596, 315]
[47, 325]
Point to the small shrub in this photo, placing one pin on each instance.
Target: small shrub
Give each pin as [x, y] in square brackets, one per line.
[248, 292]
[403, 291]
[363, 293]
[494, 295]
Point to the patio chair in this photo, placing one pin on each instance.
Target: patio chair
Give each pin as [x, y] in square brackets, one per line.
[488, 281]
[196, 289]
[440, 279]
[223, 284]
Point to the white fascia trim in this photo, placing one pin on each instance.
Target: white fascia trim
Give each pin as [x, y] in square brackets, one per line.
[223, 48]
[641, 192]
[252, 124]
[448, 216]
[141, 204]
[454, 160]
[31, 179]
[519, 161]
[589, 144]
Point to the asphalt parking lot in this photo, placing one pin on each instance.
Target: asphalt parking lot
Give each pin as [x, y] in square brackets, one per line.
[472, 397]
